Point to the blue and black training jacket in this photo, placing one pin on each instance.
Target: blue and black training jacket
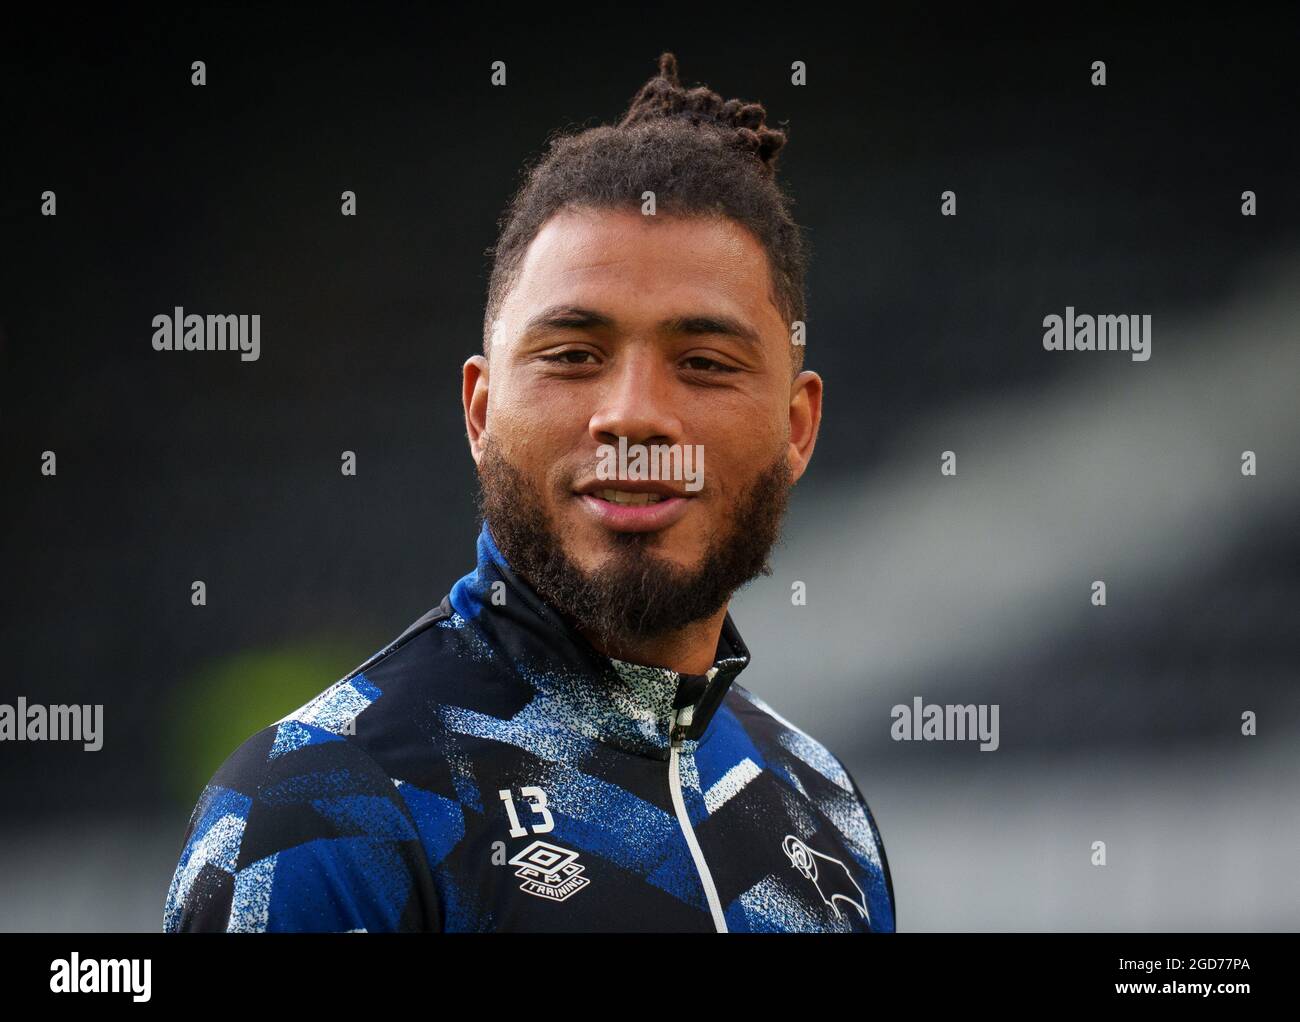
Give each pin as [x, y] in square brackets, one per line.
[490, 770]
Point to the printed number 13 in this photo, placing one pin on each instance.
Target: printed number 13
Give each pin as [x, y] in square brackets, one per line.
[538, 806]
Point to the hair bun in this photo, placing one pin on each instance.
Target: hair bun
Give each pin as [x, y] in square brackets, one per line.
[663, 97]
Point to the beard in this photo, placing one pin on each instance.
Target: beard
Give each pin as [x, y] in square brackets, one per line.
[635, 594]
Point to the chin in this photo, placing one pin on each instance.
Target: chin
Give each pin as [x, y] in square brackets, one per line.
[611, 545]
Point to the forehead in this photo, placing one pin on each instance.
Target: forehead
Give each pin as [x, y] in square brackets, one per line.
[598, 257]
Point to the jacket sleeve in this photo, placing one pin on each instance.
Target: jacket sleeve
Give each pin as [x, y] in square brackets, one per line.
[300, 830]
[880, 847]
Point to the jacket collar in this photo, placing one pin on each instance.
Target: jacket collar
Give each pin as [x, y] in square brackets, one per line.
[632, 706]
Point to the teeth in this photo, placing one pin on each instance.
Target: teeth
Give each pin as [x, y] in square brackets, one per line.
[624, 497]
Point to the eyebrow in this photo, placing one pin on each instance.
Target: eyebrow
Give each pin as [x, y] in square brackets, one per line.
[576, 317]
[711, 324]
[570, 317]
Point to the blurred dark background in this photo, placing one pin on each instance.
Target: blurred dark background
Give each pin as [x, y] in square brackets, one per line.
[1119, 724]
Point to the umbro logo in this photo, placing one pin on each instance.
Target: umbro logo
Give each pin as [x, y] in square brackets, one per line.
[549, 871]
[831, 877]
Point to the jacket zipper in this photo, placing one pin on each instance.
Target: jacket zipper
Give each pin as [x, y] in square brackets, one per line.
[675, 786]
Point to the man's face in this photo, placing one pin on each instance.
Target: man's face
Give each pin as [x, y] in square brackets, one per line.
[662, 331]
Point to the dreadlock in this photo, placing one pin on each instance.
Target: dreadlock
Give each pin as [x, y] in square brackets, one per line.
[699, 154]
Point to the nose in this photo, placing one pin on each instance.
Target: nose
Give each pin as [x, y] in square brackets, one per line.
[637, 400]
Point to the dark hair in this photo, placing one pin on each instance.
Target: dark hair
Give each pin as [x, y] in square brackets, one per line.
[699, 154]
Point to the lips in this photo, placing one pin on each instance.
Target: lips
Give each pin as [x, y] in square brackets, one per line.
[627, 497]
[640, 506]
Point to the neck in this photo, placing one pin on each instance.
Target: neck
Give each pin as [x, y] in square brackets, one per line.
[691, 649]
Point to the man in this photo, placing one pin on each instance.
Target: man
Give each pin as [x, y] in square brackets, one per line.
[562, 745]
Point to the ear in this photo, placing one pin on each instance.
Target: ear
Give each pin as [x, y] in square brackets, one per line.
[805, 420]
[474, 397]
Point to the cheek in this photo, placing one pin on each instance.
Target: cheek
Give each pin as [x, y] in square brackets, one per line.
[735, 456]
[541, 444]
[534, 426]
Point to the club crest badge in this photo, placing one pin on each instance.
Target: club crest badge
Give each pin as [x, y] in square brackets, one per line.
[830, 876]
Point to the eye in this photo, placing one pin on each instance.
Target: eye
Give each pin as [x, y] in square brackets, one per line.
[703, 364]
[573, 357]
